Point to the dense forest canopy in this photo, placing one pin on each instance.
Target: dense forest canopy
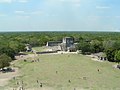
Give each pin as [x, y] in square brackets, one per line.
[12, 43]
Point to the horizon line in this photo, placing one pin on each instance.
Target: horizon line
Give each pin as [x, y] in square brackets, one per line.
[58, 31]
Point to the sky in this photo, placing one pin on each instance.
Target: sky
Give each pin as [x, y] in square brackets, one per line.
[59, 15]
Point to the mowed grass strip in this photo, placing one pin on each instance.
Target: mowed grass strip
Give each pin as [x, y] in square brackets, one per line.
[66, 72]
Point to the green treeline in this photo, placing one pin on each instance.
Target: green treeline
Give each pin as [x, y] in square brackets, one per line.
[89, 42]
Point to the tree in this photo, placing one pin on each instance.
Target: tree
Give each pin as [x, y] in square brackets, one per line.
[8, 51]
[111, 49]
[110, 53]
[85, 47]
[16, 46]
[96, 46]
[4, 61]
[117, 56]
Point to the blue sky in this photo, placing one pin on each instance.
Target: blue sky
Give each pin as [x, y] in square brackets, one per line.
[59, 15]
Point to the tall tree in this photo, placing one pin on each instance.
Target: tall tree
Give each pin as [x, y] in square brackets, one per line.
[85, 47]
[4, 61]
[96, 46]
[117, 56]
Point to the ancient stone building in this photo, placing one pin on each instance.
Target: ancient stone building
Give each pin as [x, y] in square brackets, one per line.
[28, 48]
[68, 44]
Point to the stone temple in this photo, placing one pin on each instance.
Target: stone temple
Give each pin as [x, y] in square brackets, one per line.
[67, 44]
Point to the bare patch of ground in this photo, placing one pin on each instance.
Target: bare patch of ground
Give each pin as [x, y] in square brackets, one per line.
[44, 88]
[116, 66]
[49, 88]
[94, 58]
[5, 77]
[22, 57]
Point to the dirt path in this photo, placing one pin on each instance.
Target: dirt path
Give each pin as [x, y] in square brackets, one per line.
[32, 56]
[5, 77]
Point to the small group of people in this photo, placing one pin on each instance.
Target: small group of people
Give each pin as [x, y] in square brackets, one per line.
[41, 85]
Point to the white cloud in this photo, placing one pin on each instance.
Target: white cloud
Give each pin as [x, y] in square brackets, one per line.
[23, 1]
[6, 1]
[20, 12]
[10, 1]
[102, 7]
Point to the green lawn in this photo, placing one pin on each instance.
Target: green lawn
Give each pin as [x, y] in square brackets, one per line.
[1, 88]
[71, 67]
